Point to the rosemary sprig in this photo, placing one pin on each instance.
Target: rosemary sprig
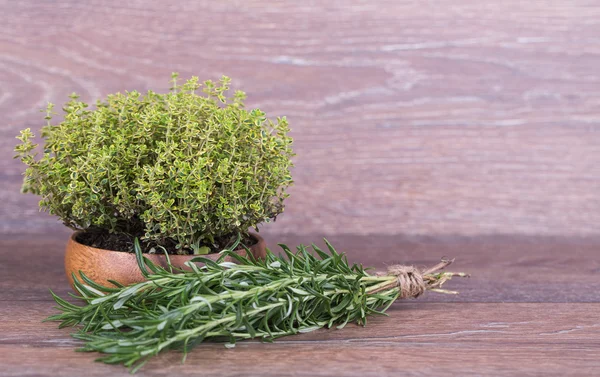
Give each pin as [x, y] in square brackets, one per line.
[266, 299]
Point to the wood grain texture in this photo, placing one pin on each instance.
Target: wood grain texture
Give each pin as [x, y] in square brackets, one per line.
[418, 339]
[467, 129]
[444, 117]
[529, 309]
[504, 269]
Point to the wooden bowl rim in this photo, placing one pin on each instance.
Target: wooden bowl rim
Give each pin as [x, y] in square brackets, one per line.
[259, 245]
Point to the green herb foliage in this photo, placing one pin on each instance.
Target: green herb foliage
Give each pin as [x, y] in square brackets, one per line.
[281, 295]
[252, 299]
[177, 166]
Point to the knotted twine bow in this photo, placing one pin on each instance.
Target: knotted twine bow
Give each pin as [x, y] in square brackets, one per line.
[413, 282]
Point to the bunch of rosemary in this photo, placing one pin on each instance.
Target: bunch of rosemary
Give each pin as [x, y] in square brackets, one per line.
[266, 299]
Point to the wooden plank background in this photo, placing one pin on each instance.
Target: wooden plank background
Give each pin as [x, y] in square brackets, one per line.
[465, 128]
[529, 309]
[459, 340]
[427, 117]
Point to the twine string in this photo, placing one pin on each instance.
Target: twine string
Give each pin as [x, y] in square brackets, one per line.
[413, 282]
[410, 280]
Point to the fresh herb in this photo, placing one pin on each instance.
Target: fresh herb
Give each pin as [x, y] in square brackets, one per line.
[266, 299]
[179, 167]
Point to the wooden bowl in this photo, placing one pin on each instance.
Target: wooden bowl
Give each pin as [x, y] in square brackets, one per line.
[102, 265]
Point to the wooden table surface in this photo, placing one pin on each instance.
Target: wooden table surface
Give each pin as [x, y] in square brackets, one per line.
[459, 128]
[531, 307]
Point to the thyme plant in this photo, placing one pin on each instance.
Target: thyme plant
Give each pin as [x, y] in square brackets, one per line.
[263, 299]
[177, 166]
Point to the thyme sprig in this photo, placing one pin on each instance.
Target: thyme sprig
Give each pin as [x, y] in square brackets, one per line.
[296, 292]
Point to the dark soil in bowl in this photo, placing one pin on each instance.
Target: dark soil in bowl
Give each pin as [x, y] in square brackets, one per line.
[124, 242]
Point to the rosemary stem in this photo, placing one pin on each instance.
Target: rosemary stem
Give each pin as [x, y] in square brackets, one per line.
[265, 299]
[199, 330]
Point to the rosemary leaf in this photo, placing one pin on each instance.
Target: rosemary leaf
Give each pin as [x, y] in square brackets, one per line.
[264, 299]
